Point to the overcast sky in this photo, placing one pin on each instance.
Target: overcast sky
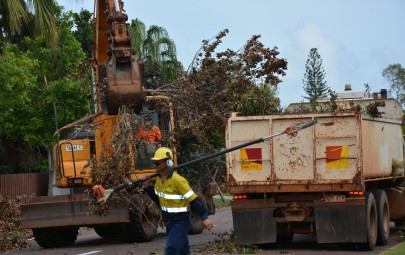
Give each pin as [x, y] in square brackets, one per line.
[356, 39]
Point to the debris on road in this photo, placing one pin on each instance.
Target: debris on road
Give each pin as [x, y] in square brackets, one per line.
[11, 236]
[224, 243]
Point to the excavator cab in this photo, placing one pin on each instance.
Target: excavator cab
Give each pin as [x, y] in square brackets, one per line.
[146, 146]
[164, 121]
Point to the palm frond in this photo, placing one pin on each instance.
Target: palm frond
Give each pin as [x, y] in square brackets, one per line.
[137, 31]
[44, 18]
[155, 48]
[16, 14]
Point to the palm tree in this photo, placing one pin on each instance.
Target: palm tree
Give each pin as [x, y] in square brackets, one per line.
[38, 15]
[155, 48]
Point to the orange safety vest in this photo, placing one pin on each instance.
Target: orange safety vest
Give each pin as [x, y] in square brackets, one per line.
[152, 134]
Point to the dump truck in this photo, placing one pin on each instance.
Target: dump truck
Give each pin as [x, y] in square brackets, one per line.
[339, 180]
[85, 145]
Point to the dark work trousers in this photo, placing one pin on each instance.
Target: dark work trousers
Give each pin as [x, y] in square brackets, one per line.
[177, 240]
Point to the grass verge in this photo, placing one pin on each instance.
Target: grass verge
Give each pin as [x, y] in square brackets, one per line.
[397, 250]
[219, 204]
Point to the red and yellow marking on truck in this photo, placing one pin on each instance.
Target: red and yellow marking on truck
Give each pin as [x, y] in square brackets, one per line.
[251, 159]
[337, 157]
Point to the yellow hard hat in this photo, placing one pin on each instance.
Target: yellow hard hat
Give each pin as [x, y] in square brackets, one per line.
[163, 153]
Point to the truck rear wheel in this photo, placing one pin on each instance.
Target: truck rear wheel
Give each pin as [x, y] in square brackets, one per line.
[383, 216]
[371, 223]
[55, 236]
[143, 225]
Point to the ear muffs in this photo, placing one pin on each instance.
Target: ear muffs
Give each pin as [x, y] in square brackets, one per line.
[169, 163]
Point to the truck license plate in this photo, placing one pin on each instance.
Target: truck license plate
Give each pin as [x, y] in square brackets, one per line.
[335, 198]
[76, 181]
[76, 147]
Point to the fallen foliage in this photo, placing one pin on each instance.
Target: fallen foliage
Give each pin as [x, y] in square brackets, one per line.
[372, 109]
[398, 167]
[337, 106]
[224, 243]
[116, 164]
[220, 82]
[11, 236]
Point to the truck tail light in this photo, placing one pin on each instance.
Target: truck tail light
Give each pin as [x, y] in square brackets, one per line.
[239, 196]
[356, 193]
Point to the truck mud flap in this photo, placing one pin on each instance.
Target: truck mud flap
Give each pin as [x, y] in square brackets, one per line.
[341, 224]
[254, 226]
[69, 210]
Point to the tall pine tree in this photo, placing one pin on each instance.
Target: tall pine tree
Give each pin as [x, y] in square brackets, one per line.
[314, 78]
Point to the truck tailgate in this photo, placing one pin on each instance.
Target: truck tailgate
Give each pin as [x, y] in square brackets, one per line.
[319, 158]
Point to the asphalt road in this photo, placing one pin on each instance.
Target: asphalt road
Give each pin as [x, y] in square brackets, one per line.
[89, 242]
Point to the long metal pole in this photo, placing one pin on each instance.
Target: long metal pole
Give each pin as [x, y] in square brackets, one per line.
[290, 130]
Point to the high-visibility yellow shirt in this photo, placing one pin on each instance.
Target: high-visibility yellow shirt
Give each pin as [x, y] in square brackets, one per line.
[174, 194]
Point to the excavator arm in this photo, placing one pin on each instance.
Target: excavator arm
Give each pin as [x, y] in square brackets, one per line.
[118, 75]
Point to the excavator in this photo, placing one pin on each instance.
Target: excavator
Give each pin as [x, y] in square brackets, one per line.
[119, 95]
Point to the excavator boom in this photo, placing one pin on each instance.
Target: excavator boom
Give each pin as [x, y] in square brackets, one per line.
[118, 75]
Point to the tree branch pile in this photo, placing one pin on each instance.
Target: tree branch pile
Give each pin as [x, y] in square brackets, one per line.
[221, 82]
[116, 164]
[11, 236]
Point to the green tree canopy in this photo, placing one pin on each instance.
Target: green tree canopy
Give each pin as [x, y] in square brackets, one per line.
[83, 29]
[32, 77]
[17, 83]
[314, 78]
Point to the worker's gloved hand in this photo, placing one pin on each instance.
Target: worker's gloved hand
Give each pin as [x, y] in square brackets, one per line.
[208, 224]
[98, 192]
[291, 130]
[145, 184]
